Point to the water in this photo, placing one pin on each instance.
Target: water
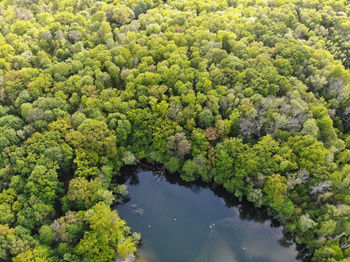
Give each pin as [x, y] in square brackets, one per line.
[191, 223]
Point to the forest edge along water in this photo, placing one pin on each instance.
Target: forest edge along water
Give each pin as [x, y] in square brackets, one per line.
[181, 221]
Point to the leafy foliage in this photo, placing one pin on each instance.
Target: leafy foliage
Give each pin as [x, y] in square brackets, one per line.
[251, 95]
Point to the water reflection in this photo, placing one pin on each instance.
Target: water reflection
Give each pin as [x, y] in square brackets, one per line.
[190, 222]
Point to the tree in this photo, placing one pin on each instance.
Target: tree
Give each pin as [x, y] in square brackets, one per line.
[328, 253]
[228, 154]
[83, 194]
[256, 196]
[107, 230]
[46, 235]
[325, 125]
[38, 254]
[123, 130]
[206, 118]
[178, 145]
[94, 135]
[69, 229]
[43, 183]
[199, 142]
[276, 196]
[276, 188]
[6, 214]
[310, 154]
[189, 171]
[310, 128]
[173, 164]
[265, 152]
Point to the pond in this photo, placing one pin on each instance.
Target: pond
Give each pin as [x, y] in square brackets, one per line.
[182, 222]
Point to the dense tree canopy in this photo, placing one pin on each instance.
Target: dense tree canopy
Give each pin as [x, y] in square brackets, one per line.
[251, 95]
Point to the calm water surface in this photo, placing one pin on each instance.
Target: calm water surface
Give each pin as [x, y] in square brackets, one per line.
[182, 223]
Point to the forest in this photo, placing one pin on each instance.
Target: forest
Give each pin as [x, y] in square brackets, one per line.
[252, 95]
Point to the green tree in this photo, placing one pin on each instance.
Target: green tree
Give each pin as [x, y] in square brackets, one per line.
[206, 118]
[107, 230]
